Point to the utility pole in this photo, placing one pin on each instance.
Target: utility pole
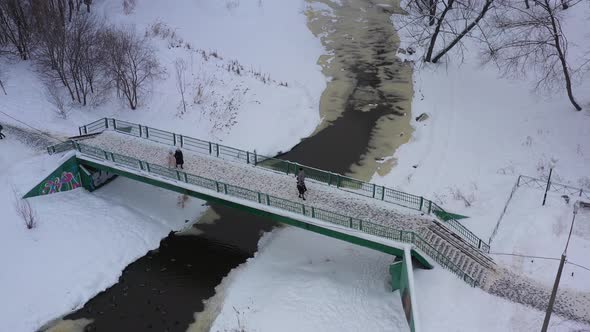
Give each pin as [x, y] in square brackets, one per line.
[558, 277]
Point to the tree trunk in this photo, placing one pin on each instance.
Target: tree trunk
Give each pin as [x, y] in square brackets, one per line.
[432, 13]
[561, 54]
[463, 33]
[437, 30]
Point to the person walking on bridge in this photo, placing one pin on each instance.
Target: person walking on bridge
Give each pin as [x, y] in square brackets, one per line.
[171, 160]
[1, 134]
[179, 158]
[301, 183]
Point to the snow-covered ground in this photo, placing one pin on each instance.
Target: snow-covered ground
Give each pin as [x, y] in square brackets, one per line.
[267, 39]
[84, 241]
[483, 132]
[81, 243]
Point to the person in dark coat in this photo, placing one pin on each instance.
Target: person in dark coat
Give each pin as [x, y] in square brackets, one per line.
[179, 158]
[1, 134]
[301, 183]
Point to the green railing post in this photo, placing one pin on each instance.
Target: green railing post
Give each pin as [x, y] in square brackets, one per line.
[382, 193]
[147, 132]
[185, 177]
[80, 130]
[140, 133]
[85, 130]
[174, 139]
[312, 212]
[181, 141]
[303, 208]
[106, 123]
[225, 188]
[267, 200]
[350, 222]
[421, 203]
[255, 158]
[217, 149]
[288, 163]
[247, 157]
[429, 206]
[360, 225]
[329, 179]
[216, 186]
[106, 156]
[112, 157]
[115, 124]
[373, 190]
[140, 164]
[210, 150]
[338, 181]
[259, 200]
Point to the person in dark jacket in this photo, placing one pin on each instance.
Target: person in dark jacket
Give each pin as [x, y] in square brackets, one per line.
[179, 158]
[301, 183]
[1, 134]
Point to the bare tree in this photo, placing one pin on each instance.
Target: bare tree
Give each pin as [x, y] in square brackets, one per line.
[442, 24]
[440, 21]
[25, 211]
[69, 52]
[15, 26]
[181, 84]
[532, 40]
[131, 62]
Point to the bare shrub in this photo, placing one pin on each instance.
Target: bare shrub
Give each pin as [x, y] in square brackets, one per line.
[181, 83]
[129, 6]
[25, 211]
[467, 199]
[57, 99]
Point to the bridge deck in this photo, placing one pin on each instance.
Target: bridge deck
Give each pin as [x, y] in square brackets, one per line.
[263, 180]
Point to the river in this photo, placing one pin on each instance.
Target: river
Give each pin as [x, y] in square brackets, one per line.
[366, 116]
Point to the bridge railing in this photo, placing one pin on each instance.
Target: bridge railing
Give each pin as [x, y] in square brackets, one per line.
[372, 190]
[256, 197]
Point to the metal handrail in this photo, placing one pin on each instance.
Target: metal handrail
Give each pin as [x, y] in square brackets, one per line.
[364, 226]
[366, 189]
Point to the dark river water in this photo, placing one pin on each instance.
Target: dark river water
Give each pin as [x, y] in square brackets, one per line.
[364, 107]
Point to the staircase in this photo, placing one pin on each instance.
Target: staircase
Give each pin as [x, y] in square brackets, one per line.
[471, 261]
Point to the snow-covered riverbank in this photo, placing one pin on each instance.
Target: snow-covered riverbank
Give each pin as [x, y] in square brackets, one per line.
[84, 241]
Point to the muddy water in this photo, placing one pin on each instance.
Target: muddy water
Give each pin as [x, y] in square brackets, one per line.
[366, 115]
[366, 105]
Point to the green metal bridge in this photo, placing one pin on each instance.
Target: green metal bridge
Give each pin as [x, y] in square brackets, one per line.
[341, 207]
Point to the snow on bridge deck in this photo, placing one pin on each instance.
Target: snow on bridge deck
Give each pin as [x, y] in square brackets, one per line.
[265, 181]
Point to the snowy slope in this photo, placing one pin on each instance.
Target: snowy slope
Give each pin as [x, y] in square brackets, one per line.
[269, 42]
[82, 241]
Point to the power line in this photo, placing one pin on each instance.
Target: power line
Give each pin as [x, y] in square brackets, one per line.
[526, 256]
[578, 265]
[26, 124]
[540, 257]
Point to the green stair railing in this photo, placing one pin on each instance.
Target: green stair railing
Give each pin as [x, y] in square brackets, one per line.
[256, 197]
[367, 189]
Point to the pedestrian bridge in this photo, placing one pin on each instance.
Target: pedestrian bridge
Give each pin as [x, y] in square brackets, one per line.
[341, 207]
